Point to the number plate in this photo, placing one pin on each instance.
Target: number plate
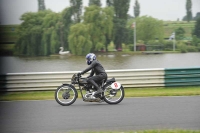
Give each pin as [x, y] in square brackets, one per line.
[115, 85]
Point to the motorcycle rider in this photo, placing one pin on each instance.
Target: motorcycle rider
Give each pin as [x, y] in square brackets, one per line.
[97, 69]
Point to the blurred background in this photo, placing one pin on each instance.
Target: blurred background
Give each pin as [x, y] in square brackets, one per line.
[128, 34]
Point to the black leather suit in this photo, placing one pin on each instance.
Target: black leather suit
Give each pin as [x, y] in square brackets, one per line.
[97, 69]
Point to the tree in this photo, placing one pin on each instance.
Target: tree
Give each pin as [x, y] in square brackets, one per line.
[109, 2]
[108, 13]
[41, 5]
[30, 33]
[130, 36]
[188, 10]
[197, 16]
[79, 39]
[196, 31]
[179, 33]
[149, 28]
[66, 16]
[185, 18]
[120, 20]
[136, 9]
[95, 2]
[100, 23]
[42, 33]
[51, 34]
[76, 10]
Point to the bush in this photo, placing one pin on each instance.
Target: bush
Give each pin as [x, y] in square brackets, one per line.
[126, 47]
[168, 45]
[153, 42]
[131, 47]
[187, 47]
[111, 47]
[192, 49]
[195, 41]
[183, 48]
[198, 48]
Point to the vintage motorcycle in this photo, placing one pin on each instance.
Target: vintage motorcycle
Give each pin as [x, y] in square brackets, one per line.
[66, 94]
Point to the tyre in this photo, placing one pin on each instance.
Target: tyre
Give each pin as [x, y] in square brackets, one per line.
[66, 95]
[113, 96]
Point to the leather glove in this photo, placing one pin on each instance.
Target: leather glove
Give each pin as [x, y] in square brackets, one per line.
[79, 74]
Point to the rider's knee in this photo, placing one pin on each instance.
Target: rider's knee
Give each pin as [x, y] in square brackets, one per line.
[89, 80]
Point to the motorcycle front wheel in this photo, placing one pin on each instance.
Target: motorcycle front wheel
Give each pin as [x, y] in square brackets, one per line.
[66, 95]
[113, 96]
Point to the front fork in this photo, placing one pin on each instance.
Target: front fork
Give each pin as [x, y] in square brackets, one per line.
[81, 90]
[81, 93]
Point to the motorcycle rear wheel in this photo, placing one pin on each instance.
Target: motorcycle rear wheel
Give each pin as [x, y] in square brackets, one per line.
[113, 96]
[66, 95]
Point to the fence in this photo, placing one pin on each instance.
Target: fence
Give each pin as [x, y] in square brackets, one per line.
[129, 78]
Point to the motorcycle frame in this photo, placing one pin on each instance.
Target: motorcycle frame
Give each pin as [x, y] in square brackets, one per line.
[102, 85]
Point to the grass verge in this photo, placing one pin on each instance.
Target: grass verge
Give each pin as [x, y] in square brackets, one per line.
[149, 131]
[129, 92]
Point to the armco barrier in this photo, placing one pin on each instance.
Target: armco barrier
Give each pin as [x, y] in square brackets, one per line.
[182, 76]
[129, 78]
[51, 80]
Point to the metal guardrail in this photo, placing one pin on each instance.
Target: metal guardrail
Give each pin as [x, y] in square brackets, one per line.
[182, 76]
[51, 80]
[129, 78]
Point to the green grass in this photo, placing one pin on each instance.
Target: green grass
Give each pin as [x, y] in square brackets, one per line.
[148, 131]
[129, 92]
[171, 26]
[167, 91]
[29, 95]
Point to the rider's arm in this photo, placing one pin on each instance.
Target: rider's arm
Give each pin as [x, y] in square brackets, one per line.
[89, 68]
[91, 73]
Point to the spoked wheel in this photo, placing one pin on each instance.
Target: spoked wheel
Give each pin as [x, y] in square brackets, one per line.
[113, 96]
[66, 95]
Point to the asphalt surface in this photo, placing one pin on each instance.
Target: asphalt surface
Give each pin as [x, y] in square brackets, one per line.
[131, 114]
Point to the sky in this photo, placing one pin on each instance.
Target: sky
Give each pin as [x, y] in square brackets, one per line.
[167, 10]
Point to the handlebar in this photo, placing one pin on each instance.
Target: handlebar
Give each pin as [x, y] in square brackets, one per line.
[78, 75]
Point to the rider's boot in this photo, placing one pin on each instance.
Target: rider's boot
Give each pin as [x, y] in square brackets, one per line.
[99, 91]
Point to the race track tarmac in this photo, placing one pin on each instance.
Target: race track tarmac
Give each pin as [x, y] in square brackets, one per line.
[131, 114]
